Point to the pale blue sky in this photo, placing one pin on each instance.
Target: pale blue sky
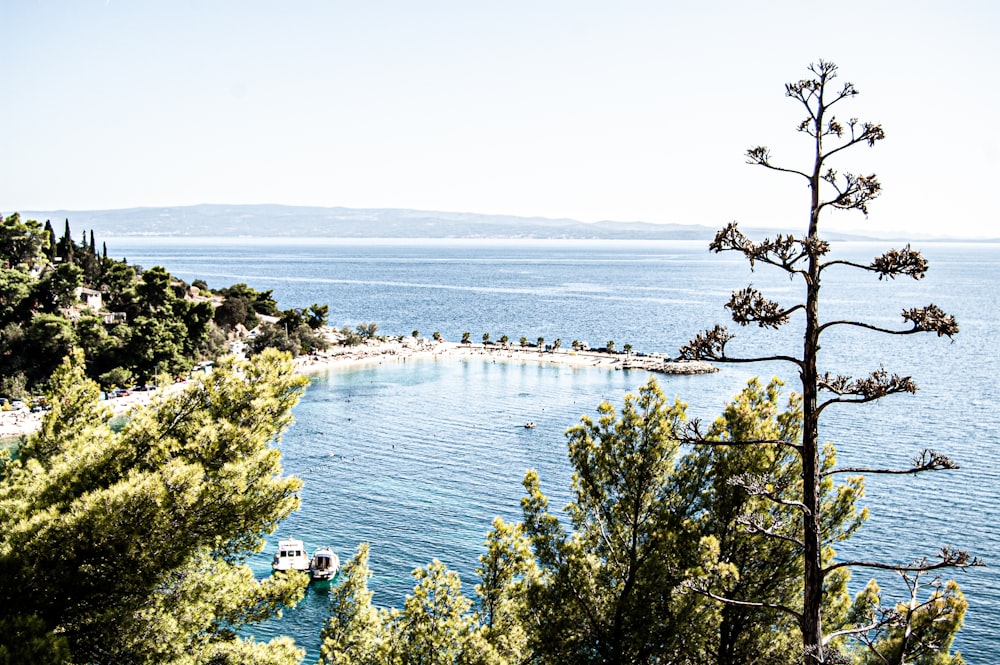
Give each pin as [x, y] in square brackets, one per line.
[625, 110]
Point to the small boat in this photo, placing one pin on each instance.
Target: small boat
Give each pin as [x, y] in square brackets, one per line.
[324, 565]
[529, 425]
[291, 555]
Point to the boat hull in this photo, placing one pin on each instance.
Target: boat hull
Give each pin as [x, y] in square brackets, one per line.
[324, 565]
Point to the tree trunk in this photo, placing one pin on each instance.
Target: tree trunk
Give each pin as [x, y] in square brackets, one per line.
[812, 624]
[812, 600]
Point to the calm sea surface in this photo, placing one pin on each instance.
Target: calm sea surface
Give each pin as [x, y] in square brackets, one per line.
[417, 458]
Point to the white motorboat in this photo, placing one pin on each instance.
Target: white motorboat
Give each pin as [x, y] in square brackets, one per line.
[324, 565]
[291, 555]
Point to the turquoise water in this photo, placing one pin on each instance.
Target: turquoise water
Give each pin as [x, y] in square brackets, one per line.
[418, 458]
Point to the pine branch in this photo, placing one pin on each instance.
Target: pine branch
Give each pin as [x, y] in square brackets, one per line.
[691, 434]
[711, 345]
[931, 319]
[700, 586]
[875, 386]
[761, 156]
[856, 192]
[755, 525]
[925, 460]
[948, 557]
[887, 617]
[783, 252]
[833, 128]
[750, 306]
[808, 90]
[707, 345]
[904, 261]
[873, 618]
[766, 486]
[866, 132]
[923, 319]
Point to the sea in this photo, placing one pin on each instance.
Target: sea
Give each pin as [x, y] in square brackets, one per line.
[417, 458]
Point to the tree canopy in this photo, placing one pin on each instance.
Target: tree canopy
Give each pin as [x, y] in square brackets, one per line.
[148, 322]
[129, 546]
[608, 582]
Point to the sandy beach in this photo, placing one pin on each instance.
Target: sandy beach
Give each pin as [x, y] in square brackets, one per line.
[398, 351]
[21, 422]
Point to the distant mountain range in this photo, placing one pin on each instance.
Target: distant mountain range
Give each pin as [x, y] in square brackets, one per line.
[302, 221]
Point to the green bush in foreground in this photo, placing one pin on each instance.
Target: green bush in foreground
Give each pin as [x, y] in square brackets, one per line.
[128, 547]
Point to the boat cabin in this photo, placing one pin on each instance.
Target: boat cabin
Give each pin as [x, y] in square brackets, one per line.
[291, 555]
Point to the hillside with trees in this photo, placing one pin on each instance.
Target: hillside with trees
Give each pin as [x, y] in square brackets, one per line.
[132, 324]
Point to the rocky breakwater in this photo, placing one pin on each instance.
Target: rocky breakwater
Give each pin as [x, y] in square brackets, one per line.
[667, 366]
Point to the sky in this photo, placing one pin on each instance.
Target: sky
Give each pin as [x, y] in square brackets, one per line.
[628, 110]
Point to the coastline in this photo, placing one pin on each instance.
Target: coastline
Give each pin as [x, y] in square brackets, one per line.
[14, 424]
[381, 351]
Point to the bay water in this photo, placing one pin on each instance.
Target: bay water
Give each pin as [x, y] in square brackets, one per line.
[417, 458]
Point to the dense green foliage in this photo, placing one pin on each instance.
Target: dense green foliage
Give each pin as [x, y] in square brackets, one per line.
[608, 589]
[296, 331]
[128, 547]
[435, 627]
[146, 323]
[742, 499]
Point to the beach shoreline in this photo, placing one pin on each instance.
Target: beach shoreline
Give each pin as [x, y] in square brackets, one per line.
[14, 424]
[407, 348]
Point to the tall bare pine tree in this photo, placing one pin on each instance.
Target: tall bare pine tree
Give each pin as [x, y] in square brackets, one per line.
[805, 259]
